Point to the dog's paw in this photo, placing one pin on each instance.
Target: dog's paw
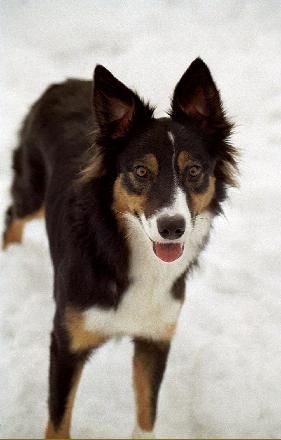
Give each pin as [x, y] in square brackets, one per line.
[139, 433]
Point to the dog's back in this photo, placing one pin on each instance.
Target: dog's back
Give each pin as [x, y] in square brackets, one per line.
[54, 141]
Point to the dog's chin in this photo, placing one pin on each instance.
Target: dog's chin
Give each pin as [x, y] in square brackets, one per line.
[168, 252]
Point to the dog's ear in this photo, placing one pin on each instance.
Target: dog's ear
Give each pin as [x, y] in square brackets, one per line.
[116, 107]
[196, 99]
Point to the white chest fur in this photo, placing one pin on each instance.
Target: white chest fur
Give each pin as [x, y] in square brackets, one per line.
[148, 308]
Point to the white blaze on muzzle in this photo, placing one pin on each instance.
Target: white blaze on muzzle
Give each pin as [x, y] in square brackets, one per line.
[168, 228]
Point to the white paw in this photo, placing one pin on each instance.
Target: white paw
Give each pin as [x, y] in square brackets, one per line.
[139, 433]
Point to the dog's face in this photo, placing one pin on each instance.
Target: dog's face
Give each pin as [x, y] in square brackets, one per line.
[165, 180]
[170, 174]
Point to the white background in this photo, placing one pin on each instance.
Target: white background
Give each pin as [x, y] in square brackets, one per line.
[224, 373]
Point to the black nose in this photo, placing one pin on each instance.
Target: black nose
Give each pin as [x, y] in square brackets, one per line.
[171, 227]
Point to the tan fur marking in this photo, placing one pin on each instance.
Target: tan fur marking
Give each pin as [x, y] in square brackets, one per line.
[125, 202]
[93, 169]
[14, 232]
[63, 430]
[183, 159]
[80, 338]
[230, 172]
[143, 395]
[201, 201]
[169, 332]
[151, 163]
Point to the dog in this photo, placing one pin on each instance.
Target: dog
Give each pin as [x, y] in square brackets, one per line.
[129, 202]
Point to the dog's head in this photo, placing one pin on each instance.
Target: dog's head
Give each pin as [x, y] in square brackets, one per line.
[170, 174]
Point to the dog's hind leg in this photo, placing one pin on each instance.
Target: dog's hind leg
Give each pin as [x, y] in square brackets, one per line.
[27, 192]
[148, 368]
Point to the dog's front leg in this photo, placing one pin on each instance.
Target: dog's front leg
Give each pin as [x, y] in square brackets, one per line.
[148, 368]
[64, 376]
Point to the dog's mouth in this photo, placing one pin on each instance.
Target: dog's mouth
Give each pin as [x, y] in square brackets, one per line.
[168, 252]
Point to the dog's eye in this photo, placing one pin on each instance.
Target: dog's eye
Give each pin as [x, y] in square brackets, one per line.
[141, 171]
[194, 171]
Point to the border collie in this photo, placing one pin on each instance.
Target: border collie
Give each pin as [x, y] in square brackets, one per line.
[129, 202]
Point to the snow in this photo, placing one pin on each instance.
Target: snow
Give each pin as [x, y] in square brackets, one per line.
[223, 376]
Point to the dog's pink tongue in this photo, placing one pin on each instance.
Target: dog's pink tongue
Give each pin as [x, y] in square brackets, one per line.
[168, 252]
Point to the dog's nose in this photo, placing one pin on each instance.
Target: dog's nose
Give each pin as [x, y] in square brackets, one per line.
[171, 227]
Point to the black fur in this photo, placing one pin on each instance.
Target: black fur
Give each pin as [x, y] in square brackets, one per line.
[63, 368]
[70, 153]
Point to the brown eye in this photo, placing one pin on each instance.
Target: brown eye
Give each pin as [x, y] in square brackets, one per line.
[141, 171]
[194, 171]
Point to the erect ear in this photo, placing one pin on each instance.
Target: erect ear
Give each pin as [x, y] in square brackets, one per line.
[116, 106]
[197, 99]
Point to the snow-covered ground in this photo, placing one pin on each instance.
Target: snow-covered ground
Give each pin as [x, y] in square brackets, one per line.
[224, 374]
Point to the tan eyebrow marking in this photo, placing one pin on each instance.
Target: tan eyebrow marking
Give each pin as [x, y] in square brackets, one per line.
[151, 163]
[183, 159]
